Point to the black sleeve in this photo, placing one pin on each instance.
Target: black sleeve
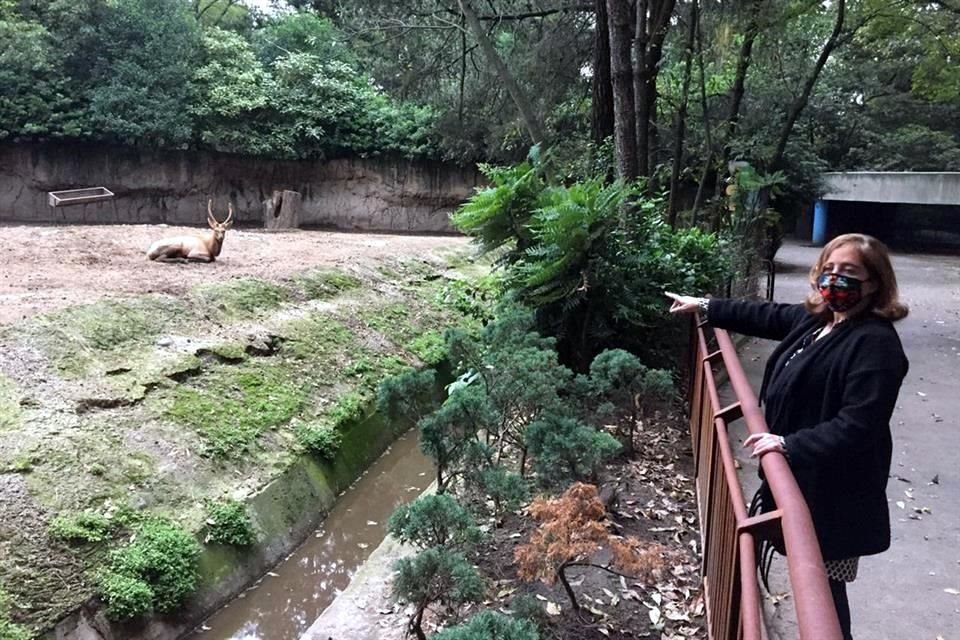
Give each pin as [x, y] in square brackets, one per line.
[869, 396]
[770, 320]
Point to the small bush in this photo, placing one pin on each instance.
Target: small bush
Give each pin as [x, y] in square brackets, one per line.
[161, 556]
[126, 597]
[321, 440]
[229, 524]
[565, 449]
[83, 527]
[434, 521]
[430, 347]
[507, 490]
[529, 608]
[433, 575]
[490, 625]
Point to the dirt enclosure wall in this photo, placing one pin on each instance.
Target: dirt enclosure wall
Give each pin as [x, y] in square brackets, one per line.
[153, 187]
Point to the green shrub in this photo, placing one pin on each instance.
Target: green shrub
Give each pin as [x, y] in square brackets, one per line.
[490, 625]
[429, 347]
[507, 490]
[566, 449]
[86, 526]
[161, 556]
[435, 520]
[228, 523]
[407, 396]
[126, 597]
[432, 575]
[529, 608]
[320, 440]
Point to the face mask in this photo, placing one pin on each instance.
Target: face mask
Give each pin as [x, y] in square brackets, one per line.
[840, 293]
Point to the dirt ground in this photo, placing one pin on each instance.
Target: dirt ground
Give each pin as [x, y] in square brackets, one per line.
[48, 268]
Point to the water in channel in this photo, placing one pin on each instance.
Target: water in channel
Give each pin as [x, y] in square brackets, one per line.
[295, 593]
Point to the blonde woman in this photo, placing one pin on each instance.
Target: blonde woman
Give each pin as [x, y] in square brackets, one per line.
[829, 390]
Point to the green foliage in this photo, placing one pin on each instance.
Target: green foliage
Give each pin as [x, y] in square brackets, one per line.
[527, 607]
[127, 597]
[232, 405]
[85, 526]
[321, 440]
[566, 449]
[432, 575]
[474, 299]
[156, 570]
[241, 297]
[435, 520]
[498, 215]
[429, 347]
[593, 258]
[229, 524]
[9, 630]
[506, 489]
[490, 625]
[447, 433]
[140, 88]
[314, 336]
[407, 396]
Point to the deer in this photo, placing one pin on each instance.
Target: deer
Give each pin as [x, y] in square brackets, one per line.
[204, 248]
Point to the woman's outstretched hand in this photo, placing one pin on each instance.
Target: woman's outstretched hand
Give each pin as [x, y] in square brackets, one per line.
[764, 443]
[683, 304]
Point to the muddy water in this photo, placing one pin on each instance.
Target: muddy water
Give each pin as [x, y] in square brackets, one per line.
[287, 601]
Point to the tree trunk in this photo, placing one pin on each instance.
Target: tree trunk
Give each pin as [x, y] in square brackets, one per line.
[510, 83]
[652, 24]
[625, 142]
[681, 124]
[708, 138]
[562, 576]
[801, 102]
[602, 118]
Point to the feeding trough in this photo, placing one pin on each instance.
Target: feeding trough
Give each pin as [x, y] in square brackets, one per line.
[78, 196]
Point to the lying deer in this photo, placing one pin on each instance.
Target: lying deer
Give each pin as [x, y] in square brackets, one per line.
[203, 248]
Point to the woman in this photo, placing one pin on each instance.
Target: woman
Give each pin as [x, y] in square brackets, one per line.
[829, 390]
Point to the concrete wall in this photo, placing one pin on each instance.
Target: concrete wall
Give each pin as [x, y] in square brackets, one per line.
[382, 194]
[893, 187]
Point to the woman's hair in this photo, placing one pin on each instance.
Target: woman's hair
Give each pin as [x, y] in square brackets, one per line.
[885, 301]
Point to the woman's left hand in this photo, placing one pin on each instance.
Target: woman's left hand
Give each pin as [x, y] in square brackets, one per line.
[764, 443]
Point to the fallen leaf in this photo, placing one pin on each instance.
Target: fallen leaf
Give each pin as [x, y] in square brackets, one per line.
[604, 631]
[901, 504]
[654, 616]
[553, 609]
[953, 592]
[371, 523]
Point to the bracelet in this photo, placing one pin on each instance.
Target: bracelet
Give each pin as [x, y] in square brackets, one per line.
[704, 305]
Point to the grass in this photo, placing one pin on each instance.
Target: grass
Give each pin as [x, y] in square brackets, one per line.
[9, 404]
[429, 347]
[240, 298]
[320, 284]
[231, 406]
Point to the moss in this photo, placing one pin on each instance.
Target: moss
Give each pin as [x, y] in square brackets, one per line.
[231, 406]
[393, 320]
[227, 351]
[240, 298]
[318, 284]
[105, 331]
[315, 336]
[8, 629]
[9, 404]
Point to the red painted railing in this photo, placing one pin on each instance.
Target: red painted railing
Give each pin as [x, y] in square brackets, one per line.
[731, 587]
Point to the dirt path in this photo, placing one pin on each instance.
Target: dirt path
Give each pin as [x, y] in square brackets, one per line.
[43, 269]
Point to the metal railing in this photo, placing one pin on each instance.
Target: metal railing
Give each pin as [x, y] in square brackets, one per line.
[731, 586]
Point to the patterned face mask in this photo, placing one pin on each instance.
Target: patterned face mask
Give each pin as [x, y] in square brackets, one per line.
[840, 293]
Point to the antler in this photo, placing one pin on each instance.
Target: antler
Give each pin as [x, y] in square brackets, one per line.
[211, 219]
[229, 213]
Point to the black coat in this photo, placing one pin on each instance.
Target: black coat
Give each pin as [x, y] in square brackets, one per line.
[833, 405]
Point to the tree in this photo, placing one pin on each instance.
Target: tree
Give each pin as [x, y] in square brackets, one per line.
[432, 575]
[619, 379]
[572, 528]
[435, 520]
[564, 449]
